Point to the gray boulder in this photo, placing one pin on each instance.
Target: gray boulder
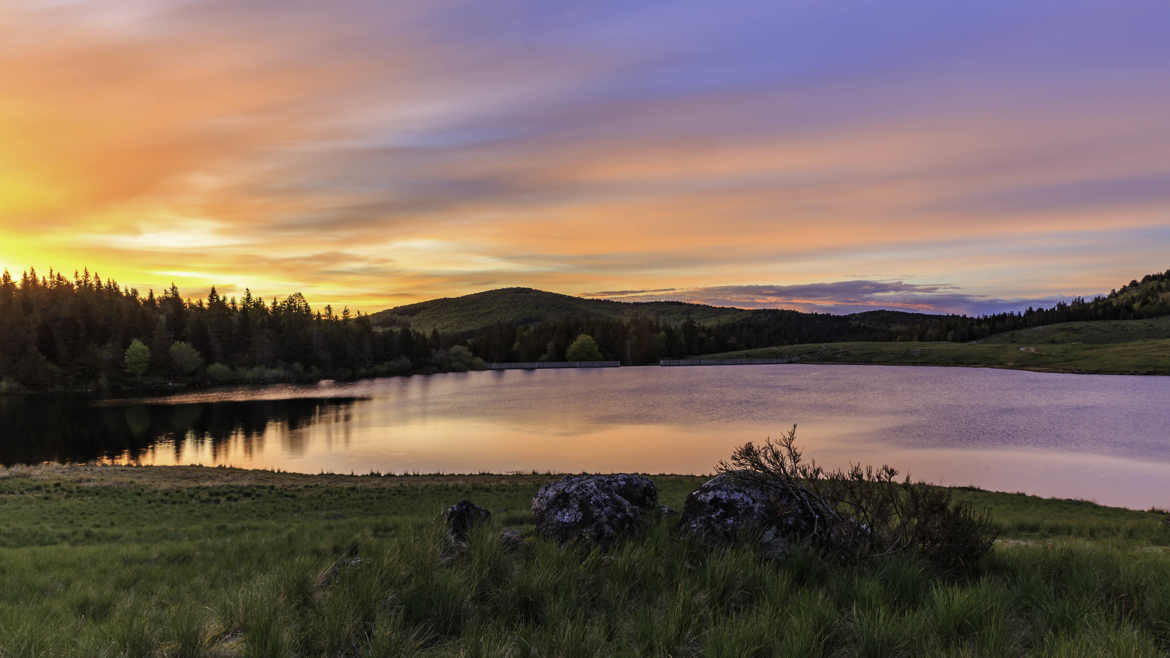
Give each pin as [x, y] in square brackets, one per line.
[462, 517]
[738, 506]
[594, 508]
[511, 539]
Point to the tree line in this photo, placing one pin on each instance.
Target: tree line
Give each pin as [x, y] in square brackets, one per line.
[84, 333]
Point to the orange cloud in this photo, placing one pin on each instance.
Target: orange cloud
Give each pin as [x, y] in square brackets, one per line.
[370, 155]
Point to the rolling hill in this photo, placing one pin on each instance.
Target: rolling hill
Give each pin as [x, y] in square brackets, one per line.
[526, 306]
[522, 306]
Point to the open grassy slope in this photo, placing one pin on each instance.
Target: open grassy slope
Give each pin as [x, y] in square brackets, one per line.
[1093, 333]
[455, 315]
[1144, 357]
[188, 561]
[520, 306]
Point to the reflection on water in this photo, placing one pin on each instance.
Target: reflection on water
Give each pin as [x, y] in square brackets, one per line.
[45, 429]
[1105, 438]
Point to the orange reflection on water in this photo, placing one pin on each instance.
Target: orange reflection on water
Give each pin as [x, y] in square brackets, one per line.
[1031, 432]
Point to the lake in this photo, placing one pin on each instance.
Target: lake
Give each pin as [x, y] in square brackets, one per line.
[1097, 437]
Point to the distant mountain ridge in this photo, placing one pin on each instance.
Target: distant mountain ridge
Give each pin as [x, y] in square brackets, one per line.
[525, 306]
[518, 306]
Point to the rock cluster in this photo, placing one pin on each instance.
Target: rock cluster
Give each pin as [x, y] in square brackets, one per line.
[511, 540]
[594, 508]
[462, 517]
[737, 506]
[601, 509]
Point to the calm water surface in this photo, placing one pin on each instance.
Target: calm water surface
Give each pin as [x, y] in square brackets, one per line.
[1104, 438]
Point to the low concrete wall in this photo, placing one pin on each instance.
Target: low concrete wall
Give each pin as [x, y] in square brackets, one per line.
[723, 362]
[540, 365]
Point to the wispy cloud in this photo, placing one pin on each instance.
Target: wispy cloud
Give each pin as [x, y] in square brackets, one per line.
[843, 297]
[371, 153]
[615, 294]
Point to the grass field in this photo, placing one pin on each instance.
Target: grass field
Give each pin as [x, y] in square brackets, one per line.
[1107, 347]
[1143, 357]
[1092, 333]
[189, 561]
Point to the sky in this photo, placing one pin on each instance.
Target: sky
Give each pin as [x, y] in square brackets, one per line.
[832, 156]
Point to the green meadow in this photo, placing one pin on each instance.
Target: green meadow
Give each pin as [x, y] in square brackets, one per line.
[191, 561]
[1092, 333]
[1118, 347]
[1140, 357]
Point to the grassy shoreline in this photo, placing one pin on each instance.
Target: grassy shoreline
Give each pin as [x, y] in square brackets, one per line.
[1121, 347]
[1146, 357]
[170, 561]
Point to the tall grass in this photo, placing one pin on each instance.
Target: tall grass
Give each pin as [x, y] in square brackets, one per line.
[189, 577]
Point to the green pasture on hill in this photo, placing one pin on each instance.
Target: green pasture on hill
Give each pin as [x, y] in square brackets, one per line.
[1142, 357]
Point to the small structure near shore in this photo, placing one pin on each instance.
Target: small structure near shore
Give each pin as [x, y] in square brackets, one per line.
[726, 362]
[541, 365]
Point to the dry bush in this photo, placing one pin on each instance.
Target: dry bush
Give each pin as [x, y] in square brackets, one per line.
[868, 512]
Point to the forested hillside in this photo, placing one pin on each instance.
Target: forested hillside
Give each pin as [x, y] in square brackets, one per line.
[88, 334]
[1147, 298]
[646, 339]
[83, 333]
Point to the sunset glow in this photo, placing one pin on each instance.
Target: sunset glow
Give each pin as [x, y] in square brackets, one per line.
[818, 156]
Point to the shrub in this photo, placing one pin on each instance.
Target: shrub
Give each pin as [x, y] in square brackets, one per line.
[398, 366]
[137, 358]
[218, 373]
[459, 359]
[583, 348]
[184, 358]
[873, 513]
[263, 375]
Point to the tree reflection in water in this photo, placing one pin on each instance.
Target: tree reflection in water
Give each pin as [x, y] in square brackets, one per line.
[58, 429]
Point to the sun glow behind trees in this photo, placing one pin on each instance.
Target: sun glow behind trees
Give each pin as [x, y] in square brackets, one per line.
[407, 152]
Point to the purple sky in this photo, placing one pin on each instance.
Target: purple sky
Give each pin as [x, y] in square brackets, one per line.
[950, 157]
